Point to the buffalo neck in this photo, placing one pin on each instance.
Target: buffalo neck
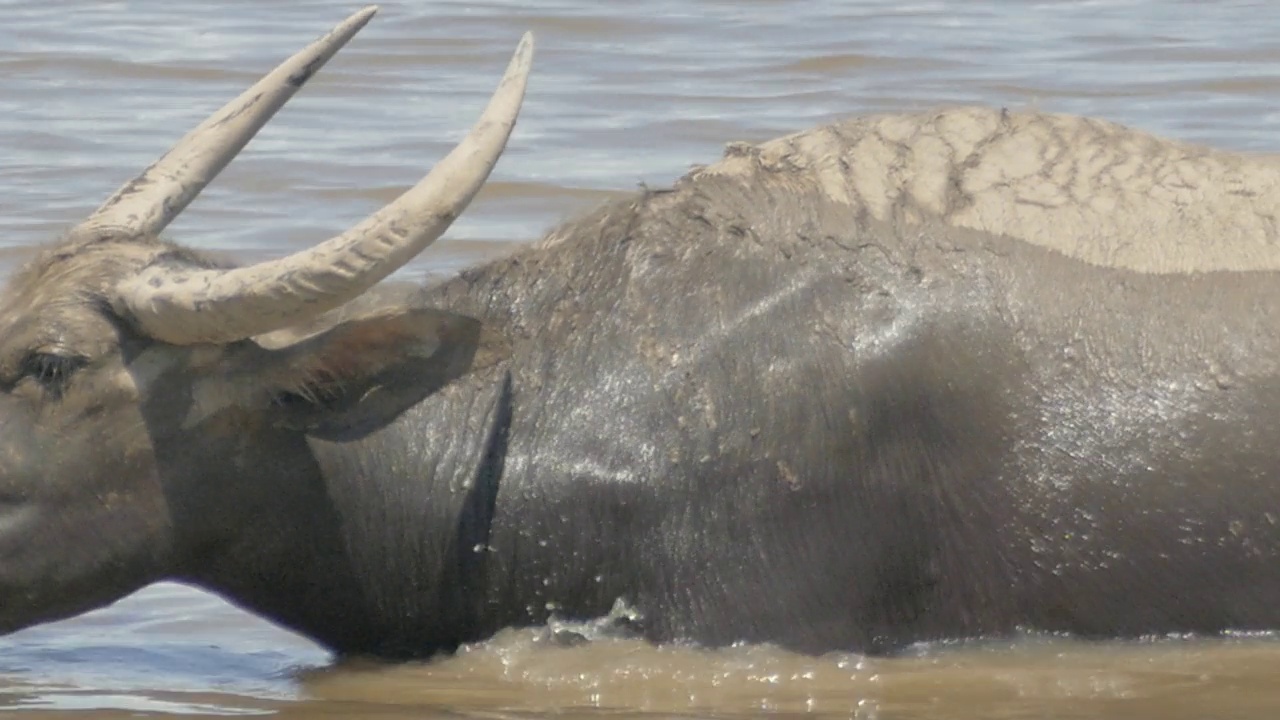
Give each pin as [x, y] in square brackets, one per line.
[371, 546]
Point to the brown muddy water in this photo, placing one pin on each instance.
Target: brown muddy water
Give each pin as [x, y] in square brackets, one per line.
[623, 93]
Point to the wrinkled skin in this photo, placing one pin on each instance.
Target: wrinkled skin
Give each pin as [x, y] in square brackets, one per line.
[743, 406]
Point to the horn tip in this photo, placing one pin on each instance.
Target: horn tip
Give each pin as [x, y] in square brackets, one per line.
[362, 16]
[523, 56]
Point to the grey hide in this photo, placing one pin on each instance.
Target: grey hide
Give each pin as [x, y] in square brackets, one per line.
[891, 380]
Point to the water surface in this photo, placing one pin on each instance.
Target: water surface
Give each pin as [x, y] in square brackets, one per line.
[623, 94]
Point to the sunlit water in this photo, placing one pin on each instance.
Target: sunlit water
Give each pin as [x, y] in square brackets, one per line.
[623, 94]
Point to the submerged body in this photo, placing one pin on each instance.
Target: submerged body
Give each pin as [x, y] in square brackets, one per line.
[770, 404]
[817, 432]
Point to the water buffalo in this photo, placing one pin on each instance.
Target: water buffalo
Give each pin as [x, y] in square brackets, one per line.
[890, 380]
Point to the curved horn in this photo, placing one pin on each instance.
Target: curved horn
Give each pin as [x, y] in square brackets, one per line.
[149, 202]
[192, 306]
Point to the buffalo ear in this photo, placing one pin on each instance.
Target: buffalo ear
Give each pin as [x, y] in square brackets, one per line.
[360, 374]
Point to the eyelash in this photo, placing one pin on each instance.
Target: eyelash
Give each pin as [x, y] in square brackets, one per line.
[50, 370]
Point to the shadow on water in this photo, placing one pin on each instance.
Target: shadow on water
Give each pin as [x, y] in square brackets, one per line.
[623, 93]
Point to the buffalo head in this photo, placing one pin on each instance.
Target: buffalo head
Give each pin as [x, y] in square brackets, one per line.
[129, 365]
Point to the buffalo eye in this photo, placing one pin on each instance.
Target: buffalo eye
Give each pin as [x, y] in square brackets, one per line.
[51, 370]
